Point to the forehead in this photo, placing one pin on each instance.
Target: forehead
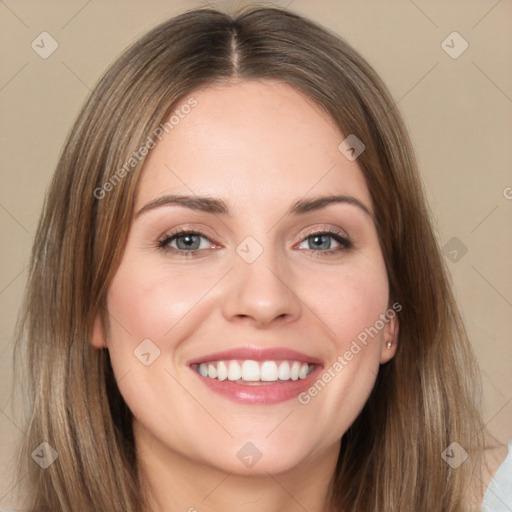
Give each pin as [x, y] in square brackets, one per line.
[251, 143]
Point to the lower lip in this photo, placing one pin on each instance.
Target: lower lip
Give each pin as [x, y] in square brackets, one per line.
[263, 394]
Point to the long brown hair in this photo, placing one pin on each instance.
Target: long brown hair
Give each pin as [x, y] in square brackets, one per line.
[424, 398]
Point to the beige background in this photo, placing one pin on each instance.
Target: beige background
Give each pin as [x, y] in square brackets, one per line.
[459, 112]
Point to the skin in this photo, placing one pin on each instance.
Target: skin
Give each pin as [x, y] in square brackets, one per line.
[259, 146]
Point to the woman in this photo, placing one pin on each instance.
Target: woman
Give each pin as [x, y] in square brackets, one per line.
[236, 300]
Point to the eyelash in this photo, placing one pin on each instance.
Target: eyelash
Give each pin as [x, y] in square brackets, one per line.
[345, 243]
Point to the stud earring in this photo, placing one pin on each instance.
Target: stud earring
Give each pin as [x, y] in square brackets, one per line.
[389, 344]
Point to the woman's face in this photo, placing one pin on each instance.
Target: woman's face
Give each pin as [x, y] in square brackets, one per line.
[217, 352]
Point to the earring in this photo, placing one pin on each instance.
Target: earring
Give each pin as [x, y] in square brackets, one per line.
[389, 344]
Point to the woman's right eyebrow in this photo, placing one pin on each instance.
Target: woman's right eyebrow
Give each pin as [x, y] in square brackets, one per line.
[219, 206]
[201, 203]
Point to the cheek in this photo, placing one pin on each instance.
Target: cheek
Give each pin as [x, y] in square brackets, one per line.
[148, 303]
[147, 311]
[351, 304]
[352, 300]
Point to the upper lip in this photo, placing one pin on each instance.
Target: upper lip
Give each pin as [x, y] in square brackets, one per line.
[257, 354]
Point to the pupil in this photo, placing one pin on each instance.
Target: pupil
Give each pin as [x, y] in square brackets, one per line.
[317, 240]
[188, 241]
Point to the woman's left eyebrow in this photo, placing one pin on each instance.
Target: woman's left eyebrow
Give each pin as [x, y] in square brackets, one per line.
[219, 206]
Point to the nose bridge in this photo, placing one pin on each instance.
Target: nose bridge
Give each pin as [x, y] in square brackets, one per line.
[259, 284]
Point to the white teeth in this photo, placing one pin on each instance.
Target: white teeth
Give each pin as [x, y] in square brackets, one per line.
[269, 371]
[203, 370]
[294, 372]
[234, 371]
[212, 371]
[303, 371]
[284, 371]
[255, 371]
[222, 370]
[250, 371]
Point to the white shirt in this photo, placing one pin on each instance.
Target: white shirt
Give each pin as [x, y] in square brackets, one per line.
[498, 497]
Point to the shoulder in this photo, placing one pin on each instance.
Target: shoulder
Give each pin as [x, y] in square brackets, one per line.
[498, 495]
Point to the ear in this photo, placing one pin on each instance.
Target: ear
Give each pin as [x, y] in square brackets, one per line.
[390, 336]
[98, 338]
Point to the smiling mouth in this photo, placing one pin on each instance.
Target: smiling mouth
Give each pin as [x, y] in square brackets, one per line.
[251, 372]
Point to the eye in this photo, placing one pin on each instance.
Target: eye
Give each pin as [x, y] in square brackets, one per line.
[185, 243]
[321, 242]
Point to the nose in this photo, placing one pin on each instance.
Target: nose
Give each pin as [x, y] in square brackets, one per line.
[261, 292]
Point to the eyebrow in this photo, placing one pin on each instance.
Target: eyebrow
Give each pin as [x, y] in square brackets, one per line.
[219, 207]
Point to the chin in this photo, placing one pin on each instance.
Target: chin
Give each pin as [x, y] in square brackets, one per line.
[259, 457]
